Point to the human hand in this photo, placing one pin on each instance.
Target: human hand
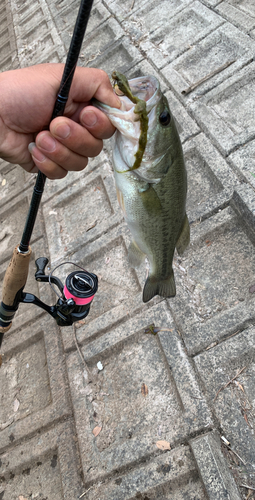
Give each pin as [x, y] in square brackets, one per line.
[27, 100]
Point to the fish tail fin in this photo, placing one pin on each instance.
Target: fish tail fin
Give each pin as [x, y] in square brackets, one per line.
[135, 255]
[184, 238]
[164, 288]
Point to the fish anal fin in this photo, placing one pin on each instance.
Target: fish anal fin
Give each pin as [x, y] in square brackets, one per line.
[184, 238]
[135, 255]
[153, 286]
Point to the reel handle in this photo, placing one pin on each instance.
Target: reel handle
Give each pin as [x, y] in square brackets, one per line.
[40, 263]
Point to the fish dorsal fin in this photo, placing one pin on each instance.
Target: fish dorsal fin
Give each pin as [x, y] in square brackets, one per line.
[184, 238]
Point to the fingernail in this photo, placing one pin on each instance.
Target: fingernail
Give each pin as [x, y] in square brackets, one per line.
[46, 142]
[62, 130]
[34, 151]
[89, 118]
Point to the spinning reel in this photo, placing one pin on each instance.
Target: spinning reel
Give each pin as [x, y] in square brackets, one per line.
[73, 304]
[76, 295]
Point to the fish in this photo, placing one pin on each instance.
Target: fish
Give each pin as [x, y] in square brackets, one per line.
[150, 178]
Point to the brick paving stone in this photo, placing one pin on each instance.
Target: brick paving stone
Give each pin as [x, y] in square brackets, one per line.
[150, 16]
[184, 30]
[211, 182]
[122, 55]
[243, 161]
[172, 476]
[74, 178]
[241, 14]
[36, 36]
[244, 204]
[246, 6]
[252, 33]
[99, 41]
[123, 9]
[216, 273]
[224, 46]
[187, 128]
[131, 422]
[211, 3]
[45, 466]
[33, 354]
[7, 39]
[226, 112]
[10, 226]
[28, 363]
[98, 212]
[65, 13]
[12, 181]
[213, 469]
[229, 111]
[233, 404]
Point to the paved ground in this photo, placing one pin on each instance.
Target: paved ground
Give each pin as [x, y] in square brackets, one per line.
[199, 369]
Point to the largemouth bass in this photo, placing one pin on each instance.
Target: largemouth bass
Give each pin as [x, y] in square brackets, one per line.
[151, 180]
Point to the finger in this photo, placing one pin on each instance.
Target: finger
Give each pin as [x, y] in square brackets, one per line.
[45, 165]
[96, 122]
[48, 148]
[83, 138]
[68, 135]
[92, 82]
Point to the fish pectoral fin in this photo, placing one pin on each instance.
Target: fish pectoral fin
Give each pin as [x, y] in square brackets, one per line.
[135, 255]
[150, 201]
[184, 238]
[120, 199]
[154, 286]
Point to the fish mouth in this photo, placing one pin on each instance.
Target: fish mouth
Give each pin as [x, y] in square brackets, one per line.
[146, 88]
[127, 121]
[124, 118]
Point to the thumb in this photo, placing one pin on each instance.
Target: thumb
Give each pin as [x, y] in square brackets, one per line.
[92, 82]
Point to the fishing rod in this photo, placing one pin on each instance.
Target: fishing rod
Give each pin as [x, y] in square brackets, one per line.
[80, 287]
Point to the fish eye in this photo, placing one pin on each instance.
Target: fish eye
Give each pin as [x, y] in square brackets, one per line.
[165, 118]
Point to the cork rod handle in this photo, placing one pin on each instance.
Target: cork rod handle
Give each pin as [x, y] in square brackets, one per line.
[15, 279]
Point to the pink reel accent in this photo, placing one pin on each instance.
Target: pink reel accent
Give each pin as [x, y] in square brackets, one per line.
[77, 300]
